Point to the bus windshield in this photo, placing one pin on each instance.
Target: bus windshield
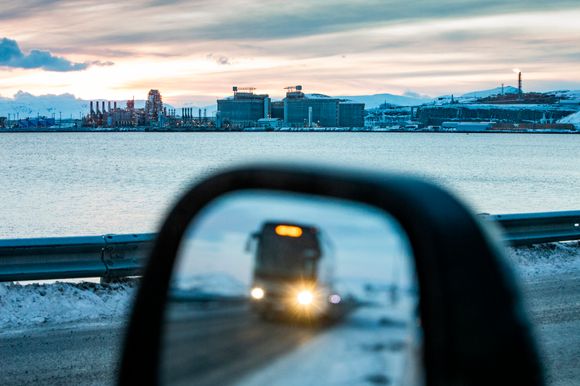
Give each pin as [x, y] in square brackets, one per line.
[287, 251]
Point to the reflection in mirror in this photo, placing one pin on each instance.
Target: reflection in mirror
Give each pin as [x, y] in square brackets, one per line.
[274, 288]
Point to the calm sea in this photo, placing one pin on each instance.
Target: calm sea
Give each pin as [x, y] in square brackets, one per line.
[61, 184]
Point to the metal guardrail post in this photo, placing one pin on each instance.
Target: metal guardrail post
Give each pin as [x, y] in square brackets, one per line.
[124, 255]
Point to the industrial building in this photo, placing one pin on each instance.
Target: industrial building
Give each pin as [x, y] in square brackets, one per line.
[105, 114]
[318, 110]
[302, 110]
[351, 114]
[153, 106]
[108, 114]
[243, 109]
[246, 109]
[277, 110]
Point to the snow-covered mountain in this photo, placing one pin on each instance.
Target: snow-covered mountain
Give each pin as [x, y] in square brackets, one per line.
[474, 95]
[490, 92]
[24, 105]
[570, 96]
[375, 100]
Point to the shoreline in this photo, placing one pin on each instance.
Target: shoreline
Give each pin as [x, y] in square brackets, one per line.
[253, 130]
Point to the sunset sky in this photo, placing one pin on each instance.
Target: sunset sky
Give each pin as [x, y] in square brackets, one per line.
[194, 51]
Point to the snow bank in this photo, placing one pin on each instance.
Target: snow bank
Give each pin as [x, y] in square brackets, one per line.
[545, 259]
[573, 119]
[217, 283]
[56, 303]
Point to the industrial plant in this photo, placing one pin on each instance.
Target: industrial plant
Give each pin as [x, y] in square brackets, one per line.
[108, 114]
[503, 109]
[243, 109]
[297, 110]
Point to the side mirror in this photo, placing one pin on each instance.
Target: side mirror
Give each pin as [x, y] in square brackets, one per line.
[209, 313]
[250, 241]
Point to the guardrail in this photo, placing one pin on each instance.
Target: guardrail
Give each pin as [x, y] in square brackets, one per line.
[108, 256]
[536, 228]
[115, 256]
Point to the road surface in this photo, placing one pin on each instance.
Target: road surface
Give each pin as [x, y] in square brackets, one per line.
[235, 339]
[87, 355]
[554, 302]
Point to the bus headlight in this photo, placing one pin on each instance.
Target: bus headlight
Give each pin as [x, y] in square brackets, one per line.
[257, 293]
[334, 299]
[305, 297]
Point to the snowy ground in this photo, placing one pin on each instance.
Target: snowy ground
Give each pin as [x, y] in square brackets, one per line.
[57, 303]
[538, 261]
[371, 347]
[573, 119]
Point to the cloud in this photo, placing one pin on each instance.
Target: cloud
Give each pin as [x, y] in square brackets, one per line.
[341, 47]
[279, 19]
[12, 56]
[101, 64]
[219, 59]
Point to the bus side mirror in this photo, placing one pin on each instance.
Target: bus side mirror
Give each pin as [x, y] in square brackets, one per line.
[252, 238]
[204, 315]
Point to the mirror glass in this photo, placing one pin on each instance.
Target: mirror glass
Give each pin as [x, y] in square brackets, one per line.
[275, 288]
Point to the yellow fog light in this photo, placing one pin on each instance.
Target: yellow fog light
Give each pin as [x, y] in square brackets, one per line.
[257, 293]
[305, 298]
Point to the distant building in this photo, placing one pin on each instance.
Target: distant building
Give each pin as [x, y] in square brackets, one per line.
[122, 118]
[35, 123]
[244, 109]
[107, 114]
[466, 126]
[351, 114]
[2, 122]
[270, 123]
[436, 115]
[277, 110]
[307, 110]
[153, 106]
[301, 110]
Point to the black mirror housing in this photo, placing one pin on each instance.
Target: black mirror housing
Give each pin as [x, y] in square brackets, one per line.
[475, 330]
